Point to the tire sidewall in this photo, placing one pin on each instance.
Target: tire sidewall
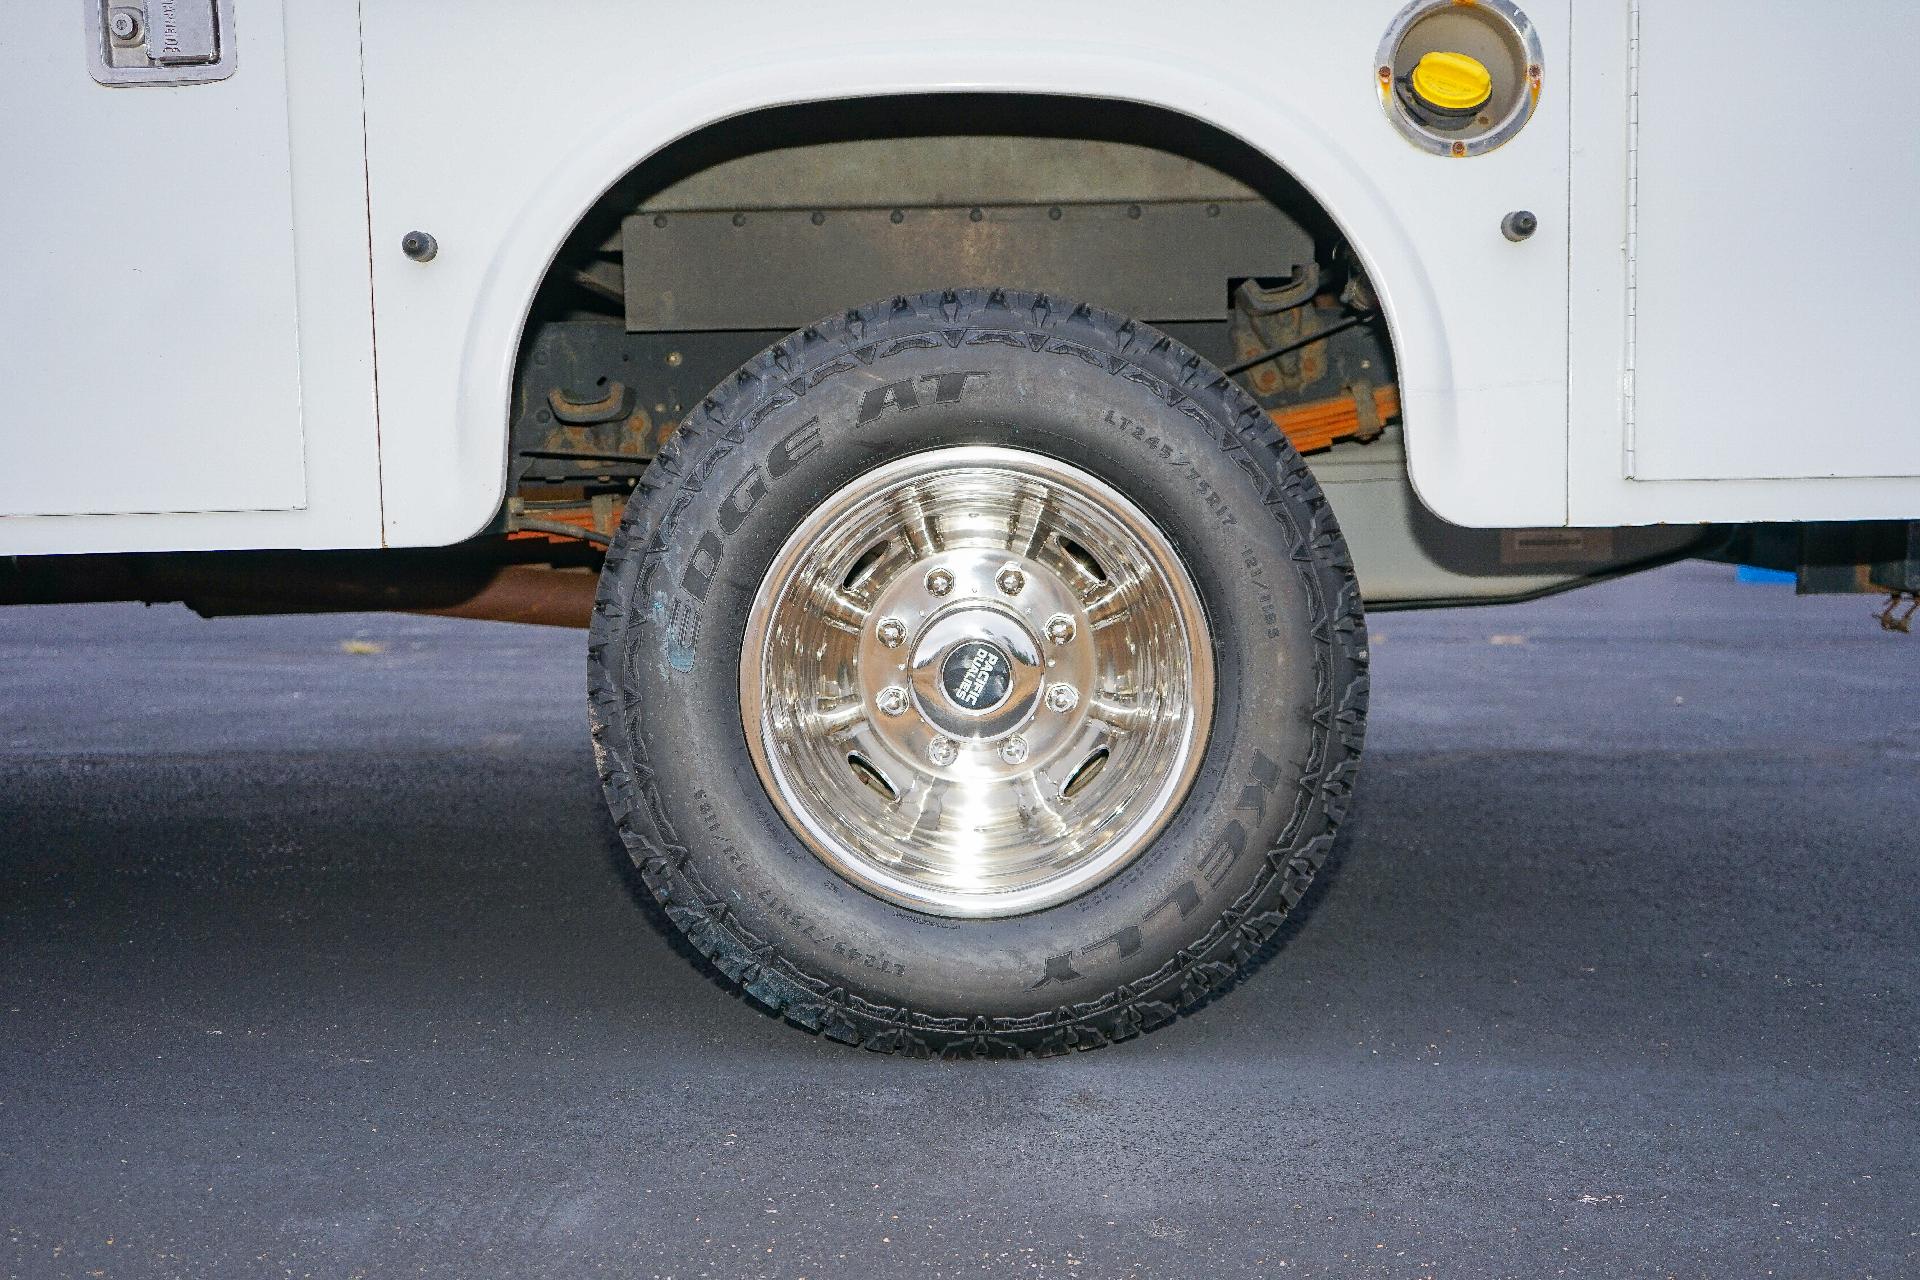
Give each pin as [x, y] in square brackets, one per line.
[810, 418]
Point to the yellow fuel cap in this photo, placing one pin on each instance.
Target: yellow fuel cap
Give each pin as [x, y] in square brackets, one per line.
[1451, 81]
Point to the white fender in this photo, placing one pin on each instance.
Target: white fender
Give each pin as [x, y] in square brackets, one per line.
[1465, 308]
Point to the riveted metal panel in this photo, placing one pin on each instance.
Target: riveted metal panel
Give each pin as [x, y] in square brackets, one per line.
[780, 269]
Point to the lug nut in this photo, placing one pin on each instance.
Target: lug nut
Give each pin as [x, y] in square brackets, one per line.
[1010, 579]
[939, 582]
[1059, 628]
[1062, 697]
[891, 632]
[942, 752]
[892, 700]
[1014, 750]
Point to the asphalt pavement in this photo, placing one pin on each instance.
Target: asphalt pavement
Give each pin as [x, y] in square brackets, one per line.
[319, 957]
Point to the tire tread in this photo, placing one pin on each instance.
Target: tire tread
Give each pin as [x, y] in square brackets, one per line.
[1212, 961]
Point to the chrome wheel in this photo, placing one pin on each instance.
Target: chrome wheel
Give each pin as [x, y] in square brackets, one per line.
[977, 681]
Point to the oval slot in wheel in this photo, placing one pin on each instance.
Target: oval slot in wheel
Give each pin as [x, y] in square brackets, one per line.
[1082, 557]
[1084, 773]
[874, 779]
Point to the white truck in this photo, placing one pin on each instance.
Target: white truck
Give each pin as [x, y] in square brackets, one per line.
[970, 433]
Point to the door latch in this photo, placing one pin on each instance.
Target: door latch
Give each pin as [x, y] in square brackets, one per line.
[160, 41]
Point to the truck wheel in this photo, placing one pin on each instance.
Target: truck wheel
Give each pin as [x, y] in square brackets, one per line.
[978, 673]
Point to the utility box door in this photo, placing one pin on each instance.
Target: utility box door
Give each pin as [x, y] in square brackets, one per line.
[152, 358]
[1774, 240]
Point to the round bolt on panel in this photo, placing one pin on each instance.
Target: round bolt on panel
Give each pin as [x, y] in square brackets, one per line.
[1519, 225]
[419, 245]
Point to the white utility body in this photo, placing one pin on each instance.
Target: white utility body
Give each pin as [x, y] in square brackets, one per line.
[215, 341]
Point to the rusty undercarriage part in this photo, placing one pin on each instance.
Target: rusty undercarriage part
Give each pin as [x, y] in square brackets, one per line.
[1361, 414]
[1309, 350]
[593, 403]
[564, 514]
[547, 583]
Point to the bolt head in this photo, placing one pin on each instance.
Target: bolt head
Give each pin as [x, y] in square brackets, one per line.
[1014, 750]
[943, 752]
[891, 632]
[892, 700]
[1060, 628]
[1519, 225]
[1062, 697]
[939, 582]
[419, 245]
[1010, 579]
[123, 25]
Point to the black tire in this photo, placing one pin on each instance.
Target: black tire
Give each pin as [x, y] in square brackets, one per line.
[1104, 393]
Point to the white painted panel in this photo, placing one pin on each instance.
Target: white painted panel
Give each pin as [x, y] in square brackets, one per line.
[1777, 274]
[523, 122]
[1600, 418]
[151, 359]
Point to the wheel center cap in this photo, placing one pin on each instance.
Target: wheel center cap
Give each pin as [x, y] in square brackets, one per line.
[976, 676]
[976, 673]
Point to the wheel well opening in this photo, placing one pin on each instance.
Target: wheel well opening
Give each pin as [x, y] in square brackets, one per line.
[742, 231]
[900, 150]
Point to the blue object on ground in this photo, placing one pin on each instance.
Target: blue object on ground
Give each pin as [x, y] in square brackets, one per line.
[1748, 573]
